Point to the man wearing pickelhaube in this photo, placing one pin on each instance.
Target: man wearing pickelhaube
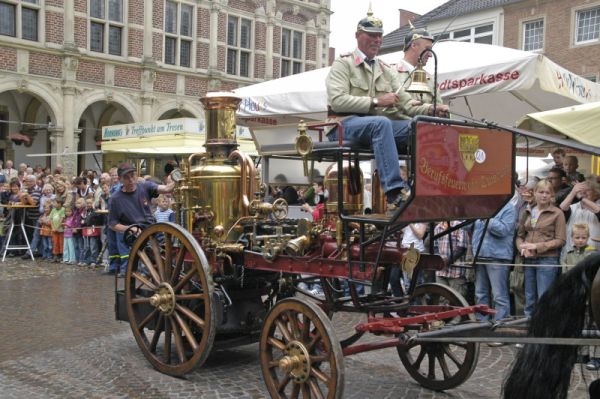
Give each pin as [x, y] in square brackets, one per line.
[415, 42]
[365, 92]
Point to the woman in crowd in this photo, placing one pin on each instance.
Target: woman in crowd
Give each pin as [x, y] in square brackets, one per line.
[82, 188]
[14, 215]
[540, 237]
[63, 192]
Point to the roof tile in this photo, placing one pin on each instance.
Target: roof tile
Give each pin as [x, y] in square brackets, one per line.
[394, 40]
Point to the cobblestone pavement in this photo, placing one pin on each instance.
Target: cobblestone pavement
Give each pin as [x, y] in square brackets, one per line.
[60, 340]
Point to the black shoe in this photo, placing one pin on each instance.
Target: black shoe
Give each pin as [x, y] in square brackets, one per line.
[121, 275]
[109, 272]
[26, 256]
[395, 202]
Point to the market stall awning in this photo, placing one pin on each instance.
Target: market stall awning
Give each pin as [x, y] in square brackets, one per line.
[181, 144]
[579, 122]
[174, 136]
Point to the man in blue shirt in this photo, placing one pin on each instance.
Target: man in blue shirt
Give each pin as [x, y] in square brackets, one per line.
[131, 205]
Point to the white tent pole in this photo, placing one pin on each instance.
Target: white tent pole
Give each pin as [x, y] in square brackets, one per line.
[520, 97]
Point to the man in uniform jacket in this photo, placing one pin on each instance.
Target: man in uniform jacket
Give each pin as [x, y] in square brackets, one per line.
[376, 112]
[415, 43]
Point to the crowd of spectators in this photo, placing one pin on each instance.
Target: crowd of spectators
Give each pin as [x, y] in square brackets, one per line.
[65, 216]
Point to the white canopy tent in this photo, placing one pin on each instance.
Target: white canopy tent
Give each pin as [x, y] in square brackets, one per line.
[285, 100]
[501, 84]
[481, 81]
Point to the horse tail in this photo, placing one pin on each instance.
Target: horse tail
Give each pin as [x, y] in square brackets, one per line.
[544, 371]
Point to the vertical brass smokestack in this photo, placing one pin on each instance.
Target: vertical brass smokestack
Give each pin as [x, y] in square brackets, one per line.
[219, 111]
[220, 180]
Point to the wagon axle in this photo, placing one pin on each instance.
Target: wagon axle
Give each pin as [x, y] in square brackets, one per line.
[164, 299]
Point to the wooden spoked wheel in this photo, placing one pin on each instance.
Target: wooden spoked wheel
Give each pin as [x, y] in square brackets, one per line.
[300, 355]
[169, 300]
[436, 365]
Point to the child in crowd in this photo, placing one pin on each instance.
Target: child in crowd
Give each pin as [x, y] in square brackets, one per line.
[46, 232]
[579, 249]
[69, 255]
[78, 213]
[580, 235]
[56, 219]
[45, 199]
[163, 212]
[90, 232]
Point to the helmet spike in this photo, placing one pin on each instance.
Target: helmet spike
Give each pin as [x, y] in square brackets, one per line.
[370, 23]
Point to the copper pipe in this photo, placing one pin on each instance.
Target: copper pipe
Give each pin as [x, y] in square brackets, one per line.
[194, 156]
[240, 157]
[252, 176]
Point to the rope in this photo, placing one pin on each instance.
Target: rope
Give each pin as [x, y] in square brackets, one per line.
[39, 228]
[465, 264]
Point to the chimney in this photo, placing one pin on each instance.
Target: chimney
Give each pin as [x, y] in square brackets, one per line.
[406, 16]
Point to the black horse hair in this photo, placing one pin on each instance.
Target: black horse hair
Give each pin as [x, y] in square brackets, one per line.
[544, 371]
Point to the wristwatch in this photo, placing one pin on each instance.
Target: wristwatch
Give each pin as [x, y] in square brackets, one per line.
[374, 102]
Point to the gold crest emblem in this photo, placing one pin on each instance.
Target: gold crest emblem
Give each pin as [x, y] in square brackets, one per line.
[467, 145]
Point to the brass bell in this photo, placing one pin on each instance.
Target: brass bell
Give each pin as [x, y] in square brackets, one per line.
[419, 84]
[297, 246]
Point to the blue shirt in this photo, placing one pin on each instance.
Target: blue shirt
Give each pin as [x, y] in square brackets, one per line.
[133, 207]
[498, 242]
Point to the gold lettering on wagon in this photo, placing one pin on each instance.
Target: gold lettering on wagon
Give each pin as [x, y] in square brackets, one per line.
[442, 178]
[467, 145]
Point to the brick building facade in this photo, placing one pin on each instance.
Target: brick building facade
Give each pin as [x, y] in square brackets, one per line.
[70, 67]
[564, 31]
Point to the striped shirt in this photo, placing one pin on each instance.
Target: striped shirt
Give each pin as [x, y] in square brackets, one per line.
[164, 216]
[445, 250]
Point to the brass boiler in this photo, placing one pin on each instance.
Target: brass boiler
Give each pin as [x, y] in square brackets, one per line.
[352, 192]
[221, 180]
